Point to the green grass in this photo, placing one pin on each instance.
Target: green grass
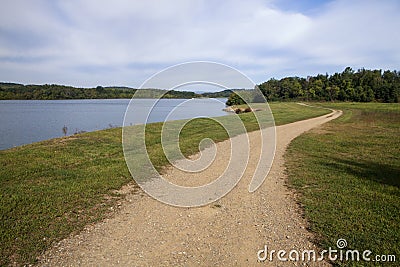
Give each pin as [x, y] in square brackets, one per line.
[54, 188]
[287, 112]
[348, 173]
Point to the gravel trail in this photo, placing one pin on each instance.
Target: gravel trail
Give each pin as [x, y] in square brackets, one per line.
[229, 232]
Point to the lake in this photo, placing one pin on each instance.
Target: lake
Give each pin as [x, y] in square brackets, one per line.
[27, 121]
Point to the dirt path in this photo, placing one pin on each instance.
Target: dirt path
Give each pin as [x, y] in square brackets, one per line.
[229, 232]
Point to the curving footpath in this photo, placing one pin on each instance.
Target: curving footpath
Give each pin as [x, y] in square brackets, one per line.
[229, 232]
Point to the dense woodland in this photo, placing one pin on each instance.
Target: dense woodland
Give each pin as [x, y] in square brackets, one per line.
[358, 86]
[53, 91]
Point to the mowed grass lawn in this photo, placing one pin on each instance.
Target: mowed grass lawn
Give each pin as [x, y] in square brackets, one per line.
[348, 173]
[54, 188]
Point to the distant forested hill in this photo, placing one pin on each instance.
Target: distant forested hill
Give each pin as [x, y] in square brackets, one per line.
[54, 91]
[222, 94]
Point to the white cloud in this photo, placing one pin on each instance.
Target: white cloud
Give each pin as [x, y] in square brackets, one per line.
[354, 32]
[122, 42]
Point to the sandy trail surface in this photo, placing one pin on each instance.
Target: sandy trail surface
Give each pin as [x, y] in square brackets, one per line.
[229, 232]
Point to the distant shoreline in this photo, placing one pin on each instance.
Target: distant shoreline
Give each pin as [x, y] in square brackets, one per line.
[16, 91]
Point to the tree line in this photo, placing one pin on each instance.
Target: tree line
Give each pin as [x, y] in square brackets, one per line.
[17, 91]
[356, 86]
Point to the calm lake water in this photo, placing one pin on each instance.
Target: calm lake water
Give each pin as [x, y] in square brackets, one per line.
[28, 121]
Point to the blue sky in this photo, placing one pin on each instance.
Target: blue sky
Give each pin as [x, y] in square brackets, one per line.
[122, 42]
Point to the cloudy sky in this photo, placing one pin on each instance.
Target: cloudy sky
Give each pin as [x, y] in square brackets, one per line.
[123, 42]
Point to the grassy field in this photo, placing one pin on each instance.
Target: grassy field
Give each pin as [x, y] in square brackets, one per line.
[54, 188]
[348, 173]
